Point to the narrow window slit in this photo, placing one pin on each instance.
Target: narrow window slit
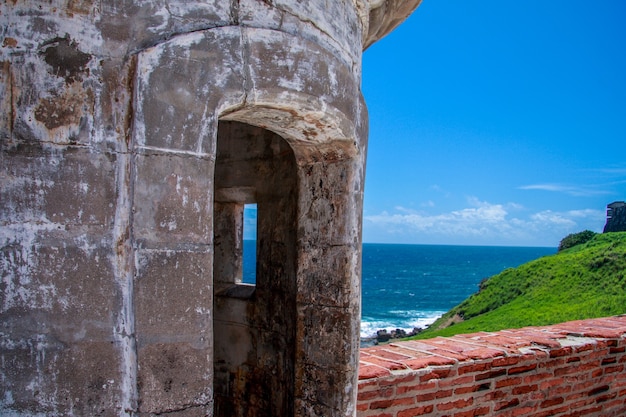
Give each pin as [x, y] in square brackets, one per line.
[249, 243]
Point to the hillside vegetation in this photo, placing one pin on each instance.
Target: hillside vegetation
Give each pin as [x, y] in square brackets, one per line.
[584, 281]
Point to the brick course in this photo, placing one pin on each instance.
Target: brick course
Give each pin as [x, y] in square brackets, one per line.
[569, 369]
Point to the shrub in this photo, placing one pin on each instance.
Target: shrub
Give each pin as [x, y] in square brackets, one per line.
[574, 239]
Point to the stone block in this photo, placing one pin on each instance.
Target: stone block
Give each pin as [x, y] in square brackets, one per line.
[339, 288]
[327, 207]
[182, 86]
[174, 298]
[307, 20]
[67, 279]
[52, 98]
[343, 28]
[324, 392]
[65, 186]
[327, 337]
[232, 332]
[172, 200]
[154, 21]
[316, 90]
[44, 376]
[174, 377]
[173, 324]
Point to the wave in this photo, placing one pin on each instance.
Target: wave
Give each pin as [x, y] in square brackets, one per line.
[406, 320]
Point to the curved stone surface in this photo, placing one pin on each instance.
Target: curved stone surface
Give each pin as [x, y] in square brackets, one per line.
[132, 134]
[385, 16]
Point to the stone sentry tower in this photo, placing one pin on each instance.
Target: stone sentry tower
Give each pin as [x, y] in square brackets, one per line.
[131, 134]
[615, 217]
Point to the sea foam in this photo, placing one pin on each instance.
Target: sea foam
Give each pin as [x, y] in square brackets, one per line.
[406, 320]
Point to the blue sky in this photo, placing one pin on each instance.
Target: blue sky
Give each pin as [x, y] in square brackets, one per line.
[496, 122]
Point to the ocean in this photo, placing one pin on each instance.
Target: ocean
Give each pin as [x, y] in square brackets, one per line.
[408, 286]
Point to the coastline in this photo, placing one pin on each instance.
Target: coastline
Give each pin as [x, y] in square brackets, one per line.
[410, 286]
[388, 333]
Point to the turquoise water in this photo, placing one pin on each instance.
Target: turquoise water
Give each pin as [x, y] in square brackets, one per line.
[407, 286]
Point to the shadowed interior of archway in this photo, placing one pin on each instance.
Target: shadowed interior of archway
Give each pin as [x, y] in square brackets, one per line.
[254, 325]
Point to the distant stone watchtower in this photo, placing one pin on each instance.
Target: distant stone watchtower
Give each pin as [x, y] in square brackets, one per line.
[132, 134]
[615, 217]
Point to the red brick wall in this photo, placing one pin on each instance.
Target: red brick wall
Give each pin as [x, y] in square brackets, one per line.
[569, 369]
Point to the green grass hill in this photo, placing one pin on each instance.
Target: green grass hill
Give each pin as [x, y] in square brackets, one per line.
[584, 281]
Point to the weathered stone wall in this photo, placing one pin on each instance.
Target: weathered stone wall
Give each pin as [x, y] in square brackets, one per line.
[108, 165]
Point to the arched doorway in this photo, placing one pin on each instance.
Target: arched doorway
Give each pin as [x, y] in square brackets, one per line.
[254, 325]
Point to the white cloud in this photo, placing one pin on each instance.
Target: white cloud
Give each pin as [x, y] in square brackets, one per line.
[404, 210]
[545, 187]
[587, 213]
[481, 223]
[566, 189]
